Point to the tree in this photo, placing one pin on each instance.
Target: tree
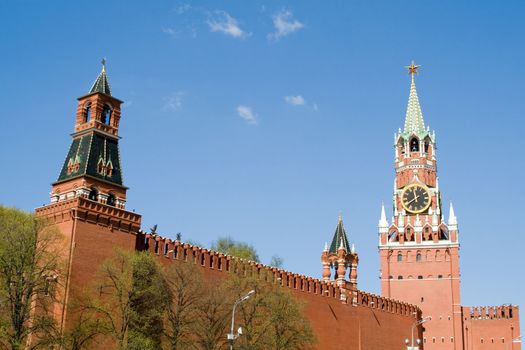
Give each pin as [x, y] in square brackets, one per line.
[213, 317]
[30, 269]
[130, 296]
[290, 328]
[187, 294]
[242, 250]
[85, 330]
[276, 261]
[149, 298]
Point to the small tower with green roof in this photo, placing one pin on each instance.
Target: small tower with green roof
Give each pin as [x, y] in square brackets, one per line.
[341, 258]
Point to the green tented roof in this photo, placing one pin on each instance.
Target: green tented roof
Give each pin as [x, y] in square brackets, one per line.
[339, 235]
[102, 83]
[88, 149]
[414, 123]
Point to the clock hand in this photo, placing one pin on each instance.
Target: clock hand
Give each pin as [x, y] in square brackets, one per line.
[413, 199]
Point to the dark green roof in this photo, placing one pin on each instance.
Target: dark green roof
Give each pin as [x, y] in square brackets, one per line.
[340, 234]
[102, 83]
[88, 150]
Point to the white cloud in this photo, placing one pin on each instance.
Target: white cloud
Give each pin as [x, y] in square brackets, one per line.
[295, 100]
[284, 24]
[173, 102]
[224, 23]
[171, 32]
[182, 8]
[247, 114]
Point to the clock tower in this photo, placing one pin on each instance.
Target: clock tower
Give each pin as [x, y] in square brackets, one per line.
[419, 252]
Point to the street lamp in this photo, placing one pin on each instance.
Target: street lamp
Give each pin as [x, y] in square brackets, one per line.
[420, 322]
[231, 336]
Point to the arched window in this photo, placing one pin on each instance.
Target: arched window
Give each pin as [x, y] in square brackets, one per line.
[93, 194]
[418, 257]
[427, 146]
[101, 168]
[109, 168]
[111, 200]
[399, 257]
[106, 115]
[87, 112]
[414, 145]
[443, 233]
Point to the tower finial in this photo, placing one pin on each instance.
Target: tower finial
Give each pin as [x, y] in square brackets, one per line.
[412, 69]
[101, 84]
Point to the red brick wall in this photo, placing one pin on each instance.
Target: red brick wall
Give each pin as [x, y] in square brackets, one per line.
[491, 328]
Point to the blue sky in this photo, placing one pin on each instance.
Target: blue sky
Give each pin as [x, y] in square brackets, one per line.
[264, 120]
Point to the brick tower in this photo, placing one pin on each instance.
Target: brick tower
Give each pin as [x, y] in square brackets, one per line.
[418, 250]
[88, 198]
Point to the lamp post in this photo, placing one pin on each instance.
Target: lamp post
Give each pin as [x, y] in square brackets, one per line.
[231, 336]
[420, 322]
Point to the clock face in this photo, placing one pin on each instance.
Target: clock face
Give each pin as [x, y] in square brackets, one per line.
[415, 198]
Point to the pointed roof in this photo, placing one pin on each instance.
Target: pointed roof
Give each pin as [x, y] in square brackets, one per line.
[414, 122]
[383, 222]
[340, 238]
[452, 219]
[102, 83]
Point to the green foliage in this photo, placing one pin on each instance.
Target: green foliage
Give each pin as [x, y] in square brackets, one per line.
[130, 297]
[276, 261]
[242, 250]
[30, 269]
[149, 296]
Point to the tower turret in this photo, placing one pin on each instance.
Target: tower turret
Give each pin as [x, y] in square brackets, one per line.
[341, 258]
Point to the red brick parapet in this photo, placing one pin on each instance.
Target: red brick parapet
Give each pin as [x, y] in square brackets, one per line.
[491, 312]
[91, 211]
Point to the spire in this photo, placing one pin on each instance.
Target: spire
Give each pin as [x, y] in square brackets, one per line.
[452, 220]
[340, 239]
[102, 83]
[414, 117]
[383, 223]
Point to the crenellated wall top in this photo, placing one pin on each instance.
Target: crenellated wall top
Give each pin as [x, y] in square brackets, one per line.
[491, 312]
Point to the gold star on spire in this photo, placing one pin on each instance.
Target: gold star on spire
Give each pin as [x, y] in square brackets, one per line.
[412, 69]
